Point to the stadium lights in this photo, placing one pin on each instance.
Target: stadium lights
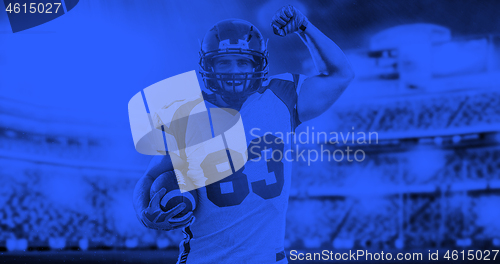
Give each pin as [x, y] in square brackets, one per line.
[313, 242]
[57, 243]
[438, 141]
[14, 244]
[162, 243]
[131, 243]
[466, 242]
[399, 243]
[339, 243]
[83, 244]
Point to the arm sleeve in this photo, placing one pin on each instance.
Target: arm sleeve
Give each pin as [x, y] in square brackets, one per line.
[287, 87]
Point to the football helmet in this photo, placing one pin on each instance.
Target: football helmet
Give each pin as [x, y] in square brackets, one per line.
[233, 37]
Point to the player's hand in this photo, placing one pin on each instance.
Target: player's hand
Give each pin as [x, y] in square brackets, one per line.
[155, 218]
[288, 20]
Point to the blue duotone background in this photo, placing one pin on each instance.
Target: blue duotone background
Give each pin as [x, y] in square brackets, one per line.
[428, 85]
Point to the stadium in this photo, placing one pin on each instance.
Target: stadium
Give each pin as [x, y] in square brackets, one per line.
[429, 182]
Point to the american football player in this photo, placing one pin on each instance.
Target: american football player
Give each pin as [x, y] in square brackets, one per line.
[241, 218]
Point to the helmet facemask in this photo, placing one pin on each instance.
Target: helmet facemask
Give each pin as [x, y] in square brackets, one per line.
[250, 81]
[233, 37]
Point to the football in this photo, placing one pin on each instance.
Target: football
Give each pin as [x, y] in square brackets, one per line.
[173, 196]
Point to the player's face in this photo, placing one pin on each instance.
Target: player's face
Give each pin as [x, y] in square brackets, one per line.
[234, 64]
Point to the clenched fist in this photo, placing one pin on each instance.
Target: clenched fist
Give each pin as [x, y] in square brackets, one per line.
[288, 20]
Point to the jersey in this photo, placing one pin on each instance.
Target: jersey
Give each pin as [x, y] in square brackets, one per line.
[241, 218]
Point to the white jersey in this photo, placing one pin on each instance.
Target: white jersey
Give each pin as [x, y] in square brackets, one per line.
[241, 218]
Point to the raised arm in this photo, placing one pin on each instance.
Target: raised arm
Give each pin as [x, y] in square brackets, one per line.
[318, 92]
